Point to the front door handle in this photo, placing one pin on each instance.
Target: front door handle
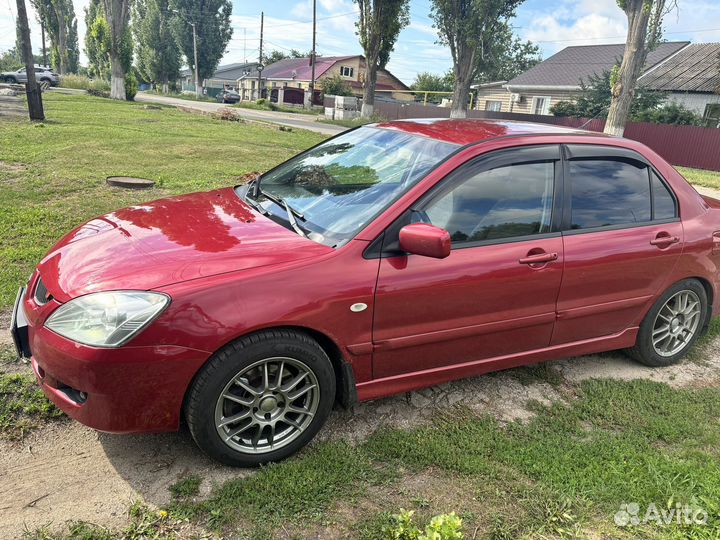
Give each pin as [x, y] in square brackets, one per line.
[540, 258]
[664, 239]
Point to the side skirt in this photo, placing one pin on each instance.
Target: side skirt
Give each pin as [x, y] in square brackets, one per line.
[408, 382]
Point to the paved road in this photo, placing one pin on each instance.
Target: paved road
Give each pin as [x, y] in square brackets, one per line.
[300, 121]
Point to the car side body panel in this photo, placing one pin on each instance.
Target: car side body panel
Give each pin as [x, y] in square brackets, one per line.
[316, 292]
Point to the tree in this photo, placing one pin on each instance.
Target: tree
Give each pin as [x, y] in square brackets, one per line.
[117, 14]
[596, 95]
[507, 58]
[335, 86]
[644, 32]
[97, 41]
[470, 28]
[213, 31]
[429, 82]
[34, 98]
[378, 28]
[156, 51]
[12, 60]
[276, 56]
[58, 17]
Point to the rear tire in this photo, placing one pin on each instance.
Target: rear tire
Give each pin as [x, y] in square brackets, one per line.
[11, 80]
[261, 398]
[672, 326]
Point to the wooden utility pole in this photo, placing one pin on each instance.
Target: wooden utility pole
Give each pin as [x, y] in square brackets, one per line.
[312, 57]
[260, 58]
[32, 90]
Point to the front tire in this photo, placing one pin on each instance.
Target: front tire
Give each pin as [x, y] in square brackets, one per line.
[261, 398]
[672, 326]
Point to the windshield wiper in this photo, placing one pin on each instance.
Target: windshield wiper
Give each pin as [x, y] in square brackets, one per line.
[291, 212]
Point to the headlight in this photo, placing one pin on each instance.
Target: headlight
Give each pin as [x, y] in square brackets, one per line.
[106, 319]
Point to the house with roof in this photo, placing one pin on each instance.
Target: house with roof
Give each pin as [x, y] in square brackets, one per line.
[691, 77]
[223, 76]
[288, 80]
[558, 78]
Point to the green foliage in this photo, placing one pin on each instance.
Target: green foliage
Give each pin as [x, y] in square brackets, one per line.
[187, 487]
[441, 527]
[672, 113]
[276, 55]
[505, 56]
[212, 23]
[595, 96]
[81, 82]
[335, 86]
[97, 41]
[58, 16]
[11, 60]
[23, 406]
[429, 82]
[131, 86]
[156, 51]
[378, 28]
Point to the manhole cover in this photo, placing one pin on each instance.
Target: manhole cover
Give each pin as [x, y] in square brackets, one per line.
[129, 182]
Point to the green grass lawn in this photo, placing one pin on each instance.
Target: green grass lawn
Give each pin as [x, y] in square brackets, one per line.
[52, 175]
[564, 474]
[700, 177]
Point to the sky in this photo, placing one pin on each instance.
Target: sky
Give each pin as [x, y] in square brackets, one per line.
[552, 24]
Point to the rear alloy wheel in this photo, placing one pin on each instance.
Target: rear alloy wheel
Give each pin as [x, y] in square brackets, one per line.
[672, 325]
[261, 398]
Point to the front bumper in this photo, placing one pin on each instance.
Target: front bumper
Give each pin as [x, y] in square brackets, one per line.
[121, 390]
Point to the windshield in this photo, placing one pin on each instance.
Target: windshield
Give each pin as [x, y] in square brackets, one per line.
[338, 187]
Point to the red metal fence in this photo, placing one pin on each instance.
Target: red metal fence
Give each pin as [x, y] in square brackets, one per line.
[687, 146]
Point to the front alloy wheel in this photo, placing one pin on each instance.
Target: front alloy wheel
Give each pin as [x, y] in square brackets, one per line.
[267, 405]
[261, 398]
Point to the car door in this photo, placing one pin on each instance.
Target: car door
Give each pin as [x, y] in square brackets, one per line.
[622, 239]
[495, 293]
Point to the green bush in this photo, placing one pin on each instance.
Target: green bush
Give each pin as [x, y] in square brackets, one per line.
[261, 101]
[81, 82]
[336, 86]
[672, 113]
[441, 527]
[131, 86]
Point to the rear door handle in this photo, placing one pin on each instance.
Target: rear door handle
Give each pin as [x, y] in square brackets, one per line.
[664, 240]
[540, 258]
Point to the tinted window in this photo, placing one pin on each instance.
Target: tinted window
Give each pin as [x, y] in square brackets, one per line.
[515, 200]
[609, 192]
[663, 202]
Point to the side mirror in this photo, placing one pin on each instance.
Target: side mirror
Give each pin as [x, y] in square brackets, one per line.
[426, 240]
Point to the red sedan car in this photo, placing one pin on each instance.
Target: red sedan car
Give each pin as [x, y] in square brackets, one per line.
[392, 257]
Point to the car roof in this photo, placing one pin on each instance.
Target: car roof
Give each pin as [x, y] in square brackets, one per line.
[475, 130]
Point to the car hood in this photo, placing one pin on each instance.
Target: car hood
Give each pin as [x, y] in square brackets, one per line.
[168, 241]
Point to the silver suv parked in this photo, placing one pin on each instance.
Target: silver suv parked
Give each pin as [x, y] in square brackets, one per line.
[42, 74]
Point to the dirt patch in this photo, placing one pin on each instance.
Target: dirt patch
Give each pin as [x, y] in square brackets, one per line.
[66, 471]
[12, 167]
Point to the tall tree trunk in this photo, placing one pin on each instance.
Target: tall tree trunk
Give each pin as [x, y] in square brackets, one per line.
[625, 79]
[463, 69]
[61, 37]
[368, 105]
[117, 78]
[117, 13]
[34, 98]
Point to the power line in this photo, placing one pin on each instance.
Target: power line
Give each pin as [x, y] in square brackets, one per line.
[623, 36]
[310, 22]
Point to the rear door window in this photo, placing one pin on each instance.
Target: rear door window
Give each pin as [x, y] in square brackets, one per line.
[609, 192]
